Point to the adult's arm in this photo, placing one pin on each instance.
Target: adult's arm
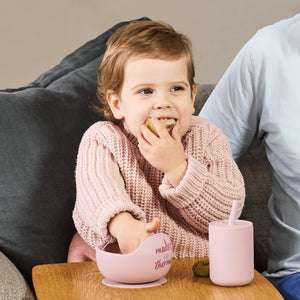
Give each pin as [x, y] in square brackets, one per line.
[234, 105]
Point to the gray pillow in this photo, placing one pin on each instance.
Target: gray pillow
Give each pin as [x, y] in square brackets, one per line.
[41, 127]
[12, 283]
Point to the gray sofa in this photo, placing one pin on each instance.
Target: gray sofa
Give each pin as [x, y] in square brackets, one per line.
[41, 127]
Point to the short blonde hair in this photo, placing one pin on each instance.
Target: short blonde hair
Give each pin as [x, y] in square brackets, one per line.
[144, 39]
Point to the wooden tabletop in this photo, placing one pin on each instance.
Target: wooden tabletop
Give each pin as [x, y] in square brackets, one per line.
[82, 281]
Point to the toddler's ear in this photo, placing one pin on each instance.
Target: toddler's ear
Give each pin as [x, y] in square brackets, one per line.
[194, 93]
[114, 102]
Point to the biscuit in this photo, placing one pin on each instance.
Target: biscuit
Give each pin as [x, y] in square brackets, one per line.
[165, 122]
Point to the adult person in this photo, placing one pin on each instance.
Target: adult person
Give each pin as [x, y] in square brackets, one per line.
[258, 97]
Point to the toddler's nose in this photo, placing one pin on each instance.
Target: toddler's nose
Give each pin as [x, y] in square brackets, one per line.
[162, 103]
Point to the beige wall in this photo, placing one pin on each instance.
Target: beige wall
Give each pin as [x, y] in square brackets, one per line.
[37, 34]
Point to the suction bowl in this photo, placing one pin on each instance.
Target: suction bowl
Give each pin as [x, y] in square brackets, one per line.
[149, 262]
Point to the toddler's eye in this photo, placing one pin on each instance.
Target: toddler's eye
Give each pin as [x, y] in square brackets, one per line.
[145, 91]
[177, 88]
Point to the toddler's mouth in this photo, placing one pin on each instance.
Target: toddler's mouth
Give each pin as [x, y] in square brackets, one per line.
[168, 123]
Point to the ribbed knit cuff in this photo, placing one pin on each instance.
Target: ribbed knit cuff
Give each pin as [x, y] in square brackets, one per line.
[190, 186]
[100, 236]
[110, 209]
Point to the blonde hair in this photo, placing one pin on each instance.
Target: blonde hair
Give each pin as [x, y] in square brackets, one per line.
[144, 39]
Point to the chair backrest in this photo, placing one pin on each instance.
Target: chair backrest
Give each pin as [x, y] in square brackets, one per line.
[255, 169]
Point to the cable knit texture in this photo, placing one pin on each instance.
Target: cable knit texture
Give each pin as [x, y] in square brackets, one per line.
[112, 176]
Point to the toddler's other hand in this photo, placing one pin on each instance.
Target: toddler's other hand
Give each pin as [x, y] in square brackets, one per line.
[130, 232]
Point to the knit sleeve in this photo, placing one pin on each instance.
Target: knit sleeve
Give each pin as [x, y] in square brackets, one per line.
[101, 193]
[212, 181]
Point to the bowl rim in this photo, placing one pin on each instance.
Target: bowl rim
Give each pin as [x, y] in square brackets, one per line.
[141, 246]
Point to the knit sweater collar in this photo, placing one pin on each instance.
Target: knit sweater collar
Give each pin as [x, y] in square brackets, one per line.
[124, 128]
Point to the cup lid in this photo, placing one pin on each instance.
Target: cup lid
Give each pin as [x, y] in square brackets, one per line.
[224, 225]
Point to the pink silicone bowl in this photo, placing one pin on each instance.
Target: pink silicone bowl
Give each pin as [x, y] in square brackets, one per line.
[149, 262]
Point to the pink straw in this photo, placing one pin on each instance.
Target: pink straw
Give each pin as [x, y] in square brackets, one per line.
[233, 212]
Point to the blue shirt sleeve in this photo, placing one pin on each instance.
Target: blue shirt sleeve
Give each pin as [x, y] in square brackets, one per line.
[232, 106]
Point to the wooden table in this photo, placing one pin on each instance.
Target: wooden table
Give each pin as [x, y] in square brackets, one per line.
[83, 281]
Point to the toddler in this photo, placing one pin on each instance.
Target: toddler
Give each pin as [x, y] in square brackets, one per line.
[132, 182]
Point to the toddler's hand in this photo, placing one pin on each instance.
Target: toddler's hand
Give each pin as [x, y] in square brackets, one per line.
[130, 232]
[164, 152]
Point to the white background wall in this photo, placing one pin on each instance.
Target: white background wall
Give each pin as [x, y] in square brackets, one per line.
[36, 34]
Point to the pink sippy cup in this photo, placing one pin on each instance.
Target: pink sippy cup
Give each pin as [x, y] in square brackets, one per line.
[231, 254]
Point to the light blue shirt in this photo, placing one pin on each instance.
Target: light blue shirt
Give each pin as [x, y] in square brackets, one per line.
[258, 97]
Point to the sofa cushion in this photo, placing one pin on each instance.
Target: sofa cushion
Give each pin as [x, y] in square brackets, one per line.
[41, 128]
[254, 166]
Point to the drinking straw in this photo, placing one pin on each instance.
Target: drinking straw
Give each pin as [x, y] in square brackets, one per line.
[233, 212]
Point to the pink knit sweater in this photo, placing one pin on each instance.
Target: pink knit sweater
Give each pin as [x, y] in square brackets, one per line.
[112, 176]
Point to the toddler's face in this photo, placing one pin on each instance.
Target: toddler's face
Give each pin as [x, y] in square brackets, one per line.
[154, 88]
